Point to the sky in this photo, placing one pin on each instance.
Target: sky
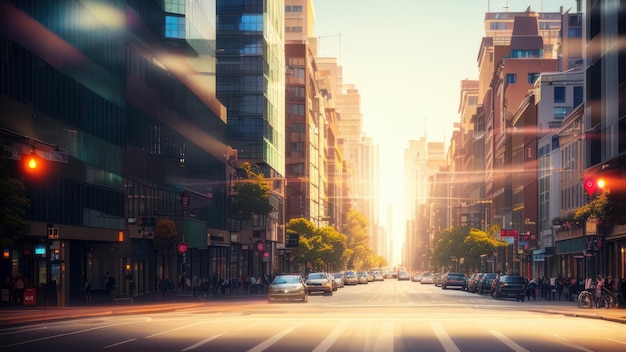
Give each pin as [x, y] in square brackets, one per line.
[407, 59]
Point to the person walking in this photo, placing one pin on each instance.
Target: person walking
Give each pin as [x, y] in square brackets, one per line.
[532, 290]
[87, 290]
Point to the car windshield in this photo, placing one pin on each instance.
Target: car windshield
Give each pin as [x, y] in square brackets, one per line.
[316, 276]
[512, 279]
[286, 280]
[456, 276]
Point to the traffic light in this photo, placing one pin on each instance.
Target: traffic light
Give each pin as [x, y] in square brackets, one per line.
[592, 184]
[33, 165]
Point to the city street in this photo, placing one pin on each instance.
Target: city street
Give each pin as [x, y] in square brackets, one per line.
[380, 316]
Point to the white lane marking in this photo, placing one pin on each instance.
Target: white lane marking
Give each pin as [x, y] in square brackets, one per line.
[330, 339]
[505, 340]
[272, 340]
[444, 339]
[200, 343]
[22, 330]
[385, 339]
[65, 334]
[172, 330]
[572, 345]
[119, 343]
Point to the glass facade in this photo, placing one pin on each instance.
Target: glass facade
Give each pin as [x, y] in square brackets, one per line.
[250, 78]
[138, 133]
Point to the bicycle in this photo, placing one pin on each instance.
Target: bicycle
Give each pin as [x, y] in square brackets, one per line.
[608, 299]
[586, 299]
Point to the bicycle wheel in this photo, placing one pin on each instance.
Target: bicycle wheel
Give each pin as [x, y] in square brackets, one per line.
[611, 301]
[585, 300]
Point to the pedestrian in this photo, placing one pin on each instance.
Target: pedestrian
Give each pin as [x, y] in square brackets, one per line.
[195, 286]
[532, 289]
[182, 282]
[163, 286]
[87, 290]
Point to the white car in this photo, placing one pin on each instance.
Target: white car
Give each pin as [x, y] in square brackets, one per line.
[427, 279]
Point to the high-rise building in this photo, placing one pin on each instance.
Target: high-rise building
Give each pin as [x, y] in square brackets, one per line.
[250, 82]
[118, 99]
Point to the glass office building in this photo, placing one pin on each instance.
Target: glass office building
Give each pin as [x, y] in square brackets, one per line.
[118, 98]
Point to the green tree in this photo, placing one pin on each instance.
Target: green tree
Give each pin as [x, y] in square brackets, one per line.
[450, 243]
[335, 253]
[251, 194]
[13, 207]
[464, 242]
[479, 243]
[355, 228]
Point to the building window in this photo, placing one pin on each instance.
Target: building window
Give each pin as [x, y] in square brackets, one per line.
[297, 127]
[559, 94]
[294, 8]
[473, 100]
[296, 109]
[175, 27]
[511, 78]
[578, 95]
[297, 29]
[251, 23]
[560, 112]
[532, 77]
[497, 25]
[575, 32]
[175, 6]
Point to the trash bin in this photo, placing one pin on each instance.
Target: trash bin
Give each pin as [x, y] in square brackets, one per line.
[30, 297]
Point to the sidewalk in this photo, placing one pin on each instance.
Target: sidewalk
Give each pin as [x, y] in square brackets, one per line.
[151, 303]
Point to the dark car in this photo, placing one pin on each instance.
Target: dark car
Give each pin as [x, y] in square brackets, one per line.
[453, 280]
[509, 286]
[484, 284]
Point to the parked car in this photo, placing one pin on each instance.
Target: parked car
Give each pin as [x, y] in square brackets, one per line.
[350, 278]
[509, 286]
[319, 282]
[416, 277]
[287, 288]
[338, 277]
[363, 277]
[453, 280]
[378, 276]
[427, 278]
[403, 275]
[484, 284]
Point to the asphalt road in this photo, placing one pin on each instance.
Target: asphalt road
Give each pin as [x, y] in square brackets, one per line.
[380, 316]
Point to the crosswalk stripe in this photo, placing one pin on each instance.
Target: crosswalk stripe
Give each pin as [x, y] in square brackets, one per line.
[444, 339]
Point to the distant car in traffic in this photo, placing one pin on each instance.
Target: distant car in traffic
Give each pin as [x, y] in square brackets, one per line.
[287, 288]
[350, 278]
[338, 277]
[427, 278]
[363, 277]
[319, 282]
[403, 275]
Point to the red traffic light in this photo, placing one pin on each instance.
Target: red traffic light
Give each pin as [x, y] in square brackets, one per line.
[593, 184]
[32, 164]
